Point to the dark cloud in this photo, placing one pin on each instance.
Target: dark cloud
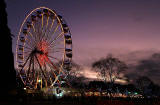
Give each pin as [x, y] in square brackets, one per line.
[149, 67]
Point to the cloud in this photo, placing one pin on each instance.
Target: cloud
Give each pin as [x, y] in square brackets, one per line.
[149, 67]
[140, 62]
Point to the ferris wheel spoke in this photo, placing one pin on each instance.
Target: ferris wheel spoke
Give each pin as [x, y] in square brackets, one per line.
[56, 49]
[56, 28]
[47, 21]
[62, 33]
[34, 32]
[26, 55]
[49, 30]
[51, 68]
[30, 34]
[33, 27]
[56, 38]
[27, 52]
[38, 32]
[45, 66]
[42, 22]
[53, 65]
[54, 52]
[54, 58]
[43, 37]
[28, 48]
[56, 43]
[25, 49]
[53, 20]
[33, 41]
[44, 30]
[40, 35]
[29, 43]
[44, 34]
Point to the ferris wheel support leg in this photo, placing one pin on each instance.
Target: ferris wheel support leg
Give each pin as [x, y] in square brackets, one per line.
[34, 75]
[41, 69]
[49, 62]
[36, 82]
[46, 72]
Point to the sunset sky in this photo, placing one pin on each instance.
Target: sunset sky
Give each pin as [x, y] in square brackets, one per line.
[130, 29]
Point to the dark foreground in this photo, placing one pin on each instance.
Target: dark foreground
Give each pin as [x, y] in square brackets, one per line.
[79, 101]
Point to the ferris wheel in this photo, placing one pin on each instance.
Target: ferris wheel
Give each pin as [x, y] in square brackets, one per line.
[44, 49]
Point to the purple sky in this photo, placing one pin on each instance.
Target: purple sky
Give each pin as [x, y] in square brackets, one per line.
[99, 27]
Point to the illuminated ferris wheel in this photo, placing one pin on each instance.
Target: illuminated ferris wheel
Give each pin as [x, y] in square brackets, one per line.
[44, 49]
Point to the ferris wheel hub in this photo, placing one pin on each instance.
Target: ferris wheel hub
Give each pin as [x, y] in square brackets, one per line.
[36, 51]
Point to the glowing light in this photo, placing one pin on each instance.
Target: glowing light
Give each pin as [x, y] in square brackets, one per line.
[39, 80]
[69, 91]
[89, 73]
[59, 92]
[24, 88]
[121, 81]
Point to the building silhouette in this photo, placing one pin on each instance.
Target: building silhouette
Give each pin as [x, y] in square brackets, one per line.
[7, 71]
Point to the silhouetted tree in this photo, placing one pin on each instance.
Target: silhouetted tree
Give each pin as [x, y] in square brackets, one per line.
[7, 72]
[109, 68]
